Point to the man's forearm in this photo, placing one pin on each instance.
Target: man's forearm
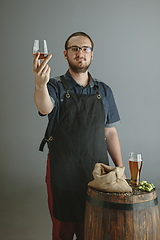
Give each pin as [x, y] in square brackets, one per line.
[43, 100]
[113, 146]
[42, 74]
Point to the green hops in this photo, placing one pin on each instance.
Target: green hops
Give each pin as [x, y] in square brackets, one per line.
[146, 186]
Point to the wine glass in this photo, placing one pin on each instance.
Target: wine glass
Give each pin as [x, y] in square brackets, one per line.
[40, 46]
[135, 165]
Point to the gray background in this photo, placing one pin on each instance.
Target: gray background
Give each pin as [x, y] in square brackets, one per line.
[126, 34]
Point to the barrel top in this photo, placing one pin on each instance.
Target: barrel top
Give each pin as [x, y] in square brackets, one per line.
[135, 196]
[135, 191]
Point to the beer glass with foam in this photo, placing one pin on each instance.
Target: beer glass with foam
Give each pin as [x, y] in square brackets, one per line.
[135, 165]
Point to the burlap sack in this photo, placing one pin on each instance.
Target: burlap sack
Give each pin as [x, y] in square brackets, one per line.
[109, 179]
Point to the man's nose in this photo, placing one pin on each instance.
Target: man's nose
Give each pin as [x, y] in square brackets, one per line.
[80, 52]
[80, 49]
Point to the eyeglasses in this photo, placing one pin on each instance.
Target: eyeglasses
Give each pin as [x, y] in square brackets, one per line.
[75, 49]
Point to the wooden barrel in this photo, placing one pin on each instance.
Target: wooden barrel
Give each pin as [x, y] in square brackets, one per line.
[125, 216]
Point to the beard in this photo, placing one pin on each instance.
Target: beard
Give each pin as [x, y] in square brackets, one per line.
[79, 68]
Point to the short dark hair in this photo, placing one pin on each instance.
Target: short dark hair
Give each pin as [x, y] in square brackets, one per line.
[78, 34]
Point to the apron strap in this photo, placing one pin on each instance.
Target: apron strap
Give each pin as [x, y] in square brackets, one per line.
[43, 142]
[97, 91]
[65, 85]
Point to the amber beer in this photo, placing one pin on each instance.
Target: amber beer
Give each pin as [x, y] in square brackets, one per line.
[41, 56]
[135, 166]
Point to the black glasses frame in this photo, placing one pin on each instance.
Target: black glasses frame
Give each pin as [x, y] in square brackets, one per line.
[78, 48]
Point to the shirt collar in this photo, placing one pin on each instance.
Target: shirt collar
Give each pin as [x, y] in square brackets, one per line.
[72, 83]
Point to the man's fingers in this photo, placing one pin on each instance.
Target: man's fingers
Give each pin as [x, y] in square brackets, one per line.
[36, 62]
[41, 68]
[43, 64]
[45, 70]
[45, 61]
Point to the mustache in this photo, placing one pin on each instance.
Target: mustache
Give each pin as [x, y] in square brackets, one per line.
[77, 58]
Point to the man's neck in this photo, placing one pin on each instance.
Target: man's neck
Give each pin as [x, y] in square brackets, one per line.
[81, 78]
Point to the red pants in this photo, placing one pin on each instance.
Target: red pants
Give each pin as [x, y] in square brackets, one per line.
[62, 230]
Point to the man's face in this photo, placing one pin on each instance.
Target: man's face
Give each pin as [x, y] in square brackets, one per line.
[79, 61]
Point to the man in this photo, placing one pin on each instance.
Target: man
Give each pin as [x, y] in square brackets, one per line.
[82, 117]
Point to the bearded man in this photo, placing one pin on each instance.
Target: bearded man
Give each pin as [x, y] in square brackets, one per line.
[81, 130]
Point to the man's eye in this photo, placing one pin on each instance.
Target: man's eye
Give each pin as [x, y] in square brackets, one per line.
[85, 49]
[75, 49]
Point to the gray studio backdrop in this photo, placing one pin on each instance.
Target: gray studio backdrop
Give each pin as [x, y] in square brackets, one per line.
[126, 34]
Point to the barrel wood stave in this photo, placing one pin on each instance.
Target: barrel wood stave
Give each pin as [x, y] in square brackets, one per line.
[102, 223]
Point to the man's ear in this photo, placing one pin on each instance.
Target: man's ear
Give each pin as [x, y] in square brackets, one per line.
[65, 54]
[92, 55]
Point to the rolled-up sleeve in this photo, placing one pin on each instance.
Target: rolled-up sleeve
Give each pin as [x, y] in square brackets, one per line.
[112, 117]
